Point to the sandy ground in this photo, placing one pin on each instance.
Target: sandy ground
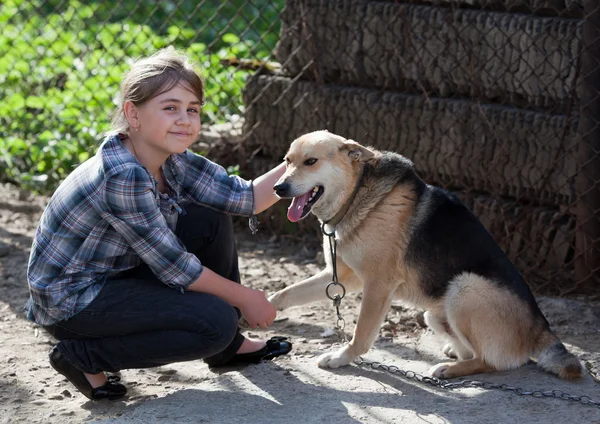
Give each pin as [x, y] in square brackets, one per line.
[288, 389]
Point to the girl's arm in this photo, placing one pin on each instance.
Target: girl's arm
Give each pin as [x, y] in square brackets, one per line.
[253, 304]
[264, 195]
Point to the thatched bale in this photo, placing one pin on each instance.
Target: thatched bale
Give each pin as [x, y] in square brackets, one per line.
[523, 60]
[454, 143]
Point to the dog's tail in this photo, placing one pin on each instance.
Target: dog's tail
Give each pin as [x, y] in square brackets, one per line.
[556, 359]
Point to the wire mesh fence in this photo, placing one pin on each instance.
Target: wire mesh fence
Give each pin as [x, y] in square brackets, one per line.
[495, 100]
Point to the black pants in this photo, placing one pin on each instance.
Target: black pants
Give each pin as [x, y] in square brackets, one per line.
[136, 321]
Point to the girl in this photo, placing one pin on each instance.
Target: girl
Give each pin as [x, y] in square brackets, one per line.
[134, 263]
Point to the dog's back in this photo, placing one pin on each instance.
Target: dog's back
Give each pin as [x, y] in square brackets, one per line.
[447, 229]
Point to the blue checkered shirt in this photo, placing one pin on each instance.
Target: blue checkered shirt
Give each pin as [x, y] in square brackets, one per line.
[108, 216]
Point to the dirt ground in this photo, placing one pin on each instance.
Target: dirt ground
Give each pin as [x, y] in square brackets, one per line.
[291, 388]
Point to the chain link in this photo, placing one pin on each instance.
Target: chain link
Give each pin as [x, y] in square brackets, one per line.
[449, 385]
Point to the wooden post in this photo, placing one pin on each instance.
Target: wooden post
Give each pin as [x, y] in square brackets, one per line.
[587, 258]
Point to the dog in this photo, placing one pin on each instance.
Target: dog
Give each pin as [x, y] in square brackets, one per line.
[400, 238]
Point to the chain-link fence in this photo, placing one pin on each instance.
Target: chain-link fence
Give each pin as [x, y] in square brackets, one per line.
[495, 100]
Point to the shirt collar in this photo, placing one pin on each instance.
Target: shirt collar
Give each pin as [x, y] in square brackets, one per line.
[116, 158]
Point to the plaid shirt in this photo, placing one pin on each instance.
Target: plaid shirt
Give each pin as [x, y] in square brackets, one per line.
[108, 216]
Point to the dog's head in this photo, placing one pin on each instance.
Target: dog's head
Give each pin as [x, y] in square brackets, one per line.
[322, 170]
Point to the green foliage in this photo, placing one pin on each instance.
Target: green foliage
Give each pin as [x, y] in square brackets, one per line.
[62, 63]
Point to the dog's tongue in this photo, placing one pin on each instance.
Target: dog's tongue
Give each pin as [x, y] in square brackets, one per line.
[295, 210]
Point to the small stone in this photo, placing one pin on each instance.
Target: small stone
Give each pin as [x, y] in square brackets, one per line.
[66, 393]
[56, 397]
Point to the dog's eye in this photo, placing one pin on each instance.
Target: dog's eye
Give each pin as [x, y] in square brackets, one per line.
[310, 161]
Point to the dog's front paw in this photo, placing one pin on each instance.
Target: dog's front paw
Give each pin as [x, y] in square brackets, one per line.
[439, 370]
[336, 359]
[277, 300]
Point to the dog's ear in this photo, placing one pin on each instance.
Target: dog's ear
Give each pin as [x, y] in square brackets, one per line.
[356, 151]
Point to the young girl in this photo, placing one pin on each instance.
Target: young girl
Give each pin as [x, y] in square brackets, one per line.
[134, 263]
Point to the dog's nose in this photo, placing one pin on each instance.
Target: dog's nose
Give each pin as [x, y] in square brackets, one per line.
[281, 189]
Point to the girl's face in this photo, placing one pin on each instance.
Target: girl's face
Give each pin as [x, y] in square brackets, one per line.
[170, 122]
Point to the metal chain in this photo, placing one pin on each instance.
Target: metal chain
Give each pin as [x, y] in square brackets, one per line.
[337, 298]
[448, 385]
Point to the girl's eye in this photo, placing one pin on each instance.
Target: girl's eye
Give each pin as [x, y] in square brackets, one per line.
[170, 108]
[310, 161]
[193, 110]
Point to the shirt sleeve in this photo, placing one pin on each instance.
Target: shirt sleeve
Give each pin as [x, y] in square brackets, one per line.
[132, 209]
[208, 184]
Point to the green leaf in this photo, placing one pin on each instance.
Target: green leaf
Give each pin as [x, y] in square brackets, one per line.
[230, 38]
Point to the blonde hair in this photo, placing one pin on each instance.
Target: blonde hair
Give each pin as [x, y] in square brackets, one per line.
[152, 76]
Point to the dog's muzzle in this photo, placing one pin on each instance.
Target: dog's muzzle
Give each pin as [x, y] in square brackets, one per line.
[282, 189]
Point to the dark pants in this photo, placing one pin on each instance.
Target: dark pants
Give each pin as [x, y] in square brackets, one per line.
[136, 321]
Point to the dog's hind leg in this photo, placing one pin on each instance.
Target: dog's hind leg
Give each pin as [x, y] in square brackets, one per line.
[496, 325]
[375, 304]
[313, 289]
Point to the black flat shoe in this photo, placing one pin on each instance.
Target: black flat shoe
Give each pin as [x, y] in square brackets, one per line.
[276, 346]
[111, 390]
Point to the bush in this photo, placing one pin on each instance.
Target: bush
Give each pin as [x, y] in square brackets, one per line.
[63, 62]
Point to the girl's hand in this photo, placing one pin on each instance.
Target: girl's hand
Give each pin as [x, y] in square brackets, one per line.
[257, 310]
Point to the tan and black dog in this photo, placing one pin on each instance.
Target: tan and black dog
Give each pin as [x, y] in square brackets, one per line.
[400, 238]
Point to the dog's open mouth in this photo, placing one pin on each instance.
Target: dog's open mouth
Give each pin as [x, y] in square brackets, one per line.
[301, 205]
